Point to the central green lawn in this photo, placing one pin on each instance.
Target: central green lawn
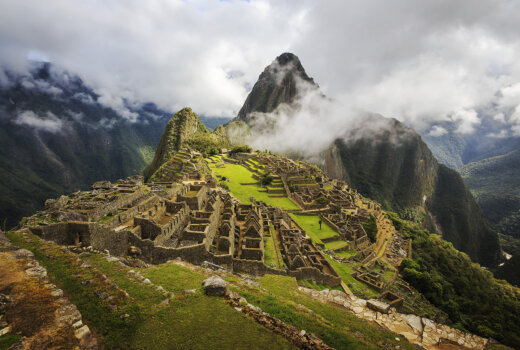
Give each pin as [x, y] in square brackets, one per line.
[311, 226]
[237, 174]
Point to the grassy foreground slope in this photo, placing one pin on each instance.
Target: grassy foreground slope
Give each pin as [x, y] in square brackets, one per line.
[191, 320]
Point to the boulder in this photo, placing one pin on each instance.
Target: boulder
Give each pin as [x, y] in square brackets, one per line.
[378, 306]
[415, 322]
[215, 286]
[22, 253]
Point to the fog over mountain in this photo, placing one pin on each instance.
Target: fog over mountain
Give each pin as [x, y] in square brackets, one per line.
[425, 64]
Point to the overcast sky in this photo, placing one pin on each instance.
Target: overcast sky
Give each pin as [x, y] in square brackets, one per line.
[418, 61]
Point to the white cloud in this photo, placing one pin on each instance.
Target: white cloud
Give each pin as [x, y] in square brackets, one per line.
[499, 135]
[48, 122]
[420, 62]
[437, 131]
[466, 120]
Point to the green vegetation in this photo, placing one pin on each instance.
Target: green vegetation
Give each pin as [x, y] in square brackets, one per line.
[185, 129]
[370, 227]
[266, 179]
[272, 255]
[345, 271]
[189, 321]
[496, 185]
[7, 340]
[240, 149]
[322, 200]
[335, 245]
[312, 227]
[237, 174]
[346, 253]
[335, 326]
[470, 295]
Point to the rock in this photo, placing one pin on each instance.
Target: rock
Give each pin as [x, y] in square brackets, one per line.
[111, 258]
[379, 306]
[147, 281]
[57, 293]
[37, 271]
[415, 322]
[78, 324]
[215, 286]
[134, 251]
[4, 331]
[82, 332]
[165, 302]
[86, 265]
[209, 265]
[302, 333]
[22, 253]
[358, 309]
[360, 302]
[189, 291]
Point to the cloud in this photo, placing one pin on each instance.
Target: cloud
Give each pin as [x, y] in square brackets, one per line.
[419, 62]
[437, 131]
[49, 122]
[41, 86]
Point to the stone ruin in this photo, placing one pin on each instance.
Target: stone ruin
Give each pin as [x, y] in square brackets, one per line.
[190, 219]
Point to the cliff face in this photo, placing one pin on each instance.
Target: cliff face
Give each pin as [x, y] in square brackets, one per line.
[395, 167]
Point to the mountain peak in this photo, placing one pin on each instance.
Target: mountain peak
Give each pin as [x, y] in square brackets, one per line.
[278, 83]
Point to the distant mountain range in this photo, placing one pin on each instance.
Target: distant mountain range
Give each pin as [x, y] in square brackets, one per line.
[56, 137]
[393, 166]
[489, 161]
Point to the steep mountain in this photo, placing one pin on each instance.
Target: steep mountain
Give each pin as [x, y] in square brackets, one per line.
[277, 84]
[394, 166]
[57, 136]
[185, 129]
[495, 182]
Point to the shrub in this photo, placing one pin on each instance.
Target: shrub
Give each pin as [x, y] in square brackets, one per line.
[240, 149]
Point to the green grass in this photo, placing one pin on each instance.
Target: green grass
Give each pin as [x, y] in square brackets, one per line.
[7, 340]
[335, 326]
[201, 322]
[64, 271]
[359, 288]
[271, 258]
[311, 226]
[174, 278]
[335, 245]
[188, 322]
[238, 174]
[346, 253]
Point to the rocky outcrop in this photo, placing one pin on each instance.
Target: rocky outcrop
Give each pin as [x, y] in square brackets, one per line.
[415, 329]
[215, 286]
